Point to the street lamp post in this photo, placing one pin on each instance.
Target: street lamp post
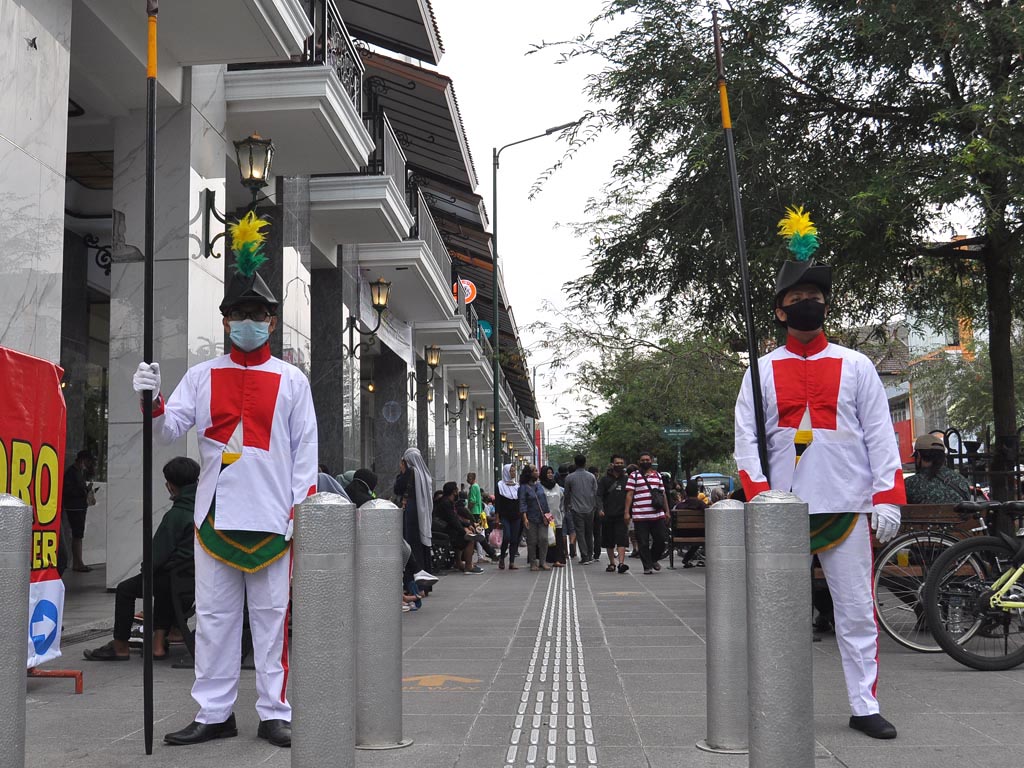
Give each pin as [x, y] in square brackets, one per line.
[496, 341]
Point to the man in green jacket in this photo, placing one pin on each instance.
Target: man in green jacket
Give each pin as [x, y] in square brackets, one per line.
[172, 549]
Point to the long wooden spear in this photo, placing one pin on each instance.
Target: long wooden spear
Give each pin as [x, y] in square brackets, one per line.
[741, 244]
[147, 396]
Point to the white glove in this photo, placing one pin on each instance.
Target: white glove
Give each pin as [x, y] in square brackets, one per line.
[147, 377]
[290, 531]
[885, 521]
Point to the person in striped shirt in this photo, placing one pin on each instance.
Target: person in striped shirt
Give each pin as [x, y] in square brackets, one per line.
[647, 504]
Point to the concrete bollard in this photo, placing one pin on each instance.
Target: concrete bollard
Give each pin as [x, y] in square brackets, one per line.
[379, 568]
[323, 606]
[15, 563]
[726, 599]
[779, 657]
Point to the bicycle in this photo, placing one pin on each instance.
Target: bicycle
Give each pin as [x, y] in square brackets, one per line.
[900, 571]
[974, 594]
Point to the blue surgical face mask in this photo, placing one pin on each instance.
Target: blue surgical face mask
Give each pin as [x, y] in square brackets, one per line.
[248, 335]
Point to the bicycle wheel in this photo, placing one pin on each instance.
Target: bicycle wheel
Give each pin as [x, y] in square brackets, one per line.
[900, 572]
[956, 605]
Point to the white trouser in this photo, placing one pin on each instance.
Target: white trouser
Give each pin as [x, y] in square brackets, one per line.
[847, 569]
[220, 594]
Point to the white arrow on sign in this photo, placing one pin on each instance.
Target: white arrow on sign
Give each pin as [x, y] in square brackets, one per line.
[43, 627]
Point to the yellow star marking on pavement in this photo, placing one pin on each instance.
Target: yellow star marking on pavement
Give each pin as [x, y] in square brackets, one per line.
[438, 681]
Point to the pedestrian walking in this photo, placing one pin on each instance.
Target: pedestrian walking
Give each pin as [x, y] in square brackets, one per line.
[507, 505]
[563, 522]
[76, 497]
[581, 501]
[533, 505]
[611, 499]
[647, 505]
[414, 487]
[830, 441]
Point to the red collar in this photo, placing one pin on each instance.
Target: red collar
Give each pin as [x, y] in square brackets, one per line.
[813, 347]
[248, 359]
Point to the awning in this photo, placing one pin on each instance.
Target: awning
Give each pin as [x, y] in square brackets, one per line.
[424, 114]
[403, 26]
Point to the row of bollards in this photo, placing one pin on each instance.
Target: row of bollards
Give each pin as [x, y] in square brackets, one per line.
[346, 590]
[759, 658]
[346, 594]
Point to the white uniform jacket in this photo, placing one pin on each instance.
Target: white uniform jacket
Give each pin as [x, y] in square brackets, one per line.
[261, 407]
[853, 460]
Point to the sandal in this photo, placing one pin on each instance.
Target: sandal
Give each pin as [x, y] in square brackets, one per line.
[623, 567]
[513, 567]
[105, 653]
[610, 568]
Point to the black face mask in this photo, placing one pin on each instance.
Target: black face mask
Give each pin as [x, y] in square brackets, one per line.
[805, 315]
[618, 470]
[645, 466]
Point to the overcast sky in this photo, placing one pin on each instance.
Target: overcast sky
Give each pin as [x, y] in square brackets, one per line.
[505, 96]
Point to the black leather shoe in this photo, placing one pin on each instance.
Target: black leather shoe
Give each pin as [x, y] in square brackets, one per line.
[197, 733]
[875, 726]
[277, 732]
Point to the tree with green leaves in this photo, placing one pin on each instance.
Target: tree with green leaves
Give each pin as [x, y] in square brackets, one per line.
[891, 122]
[641, 377]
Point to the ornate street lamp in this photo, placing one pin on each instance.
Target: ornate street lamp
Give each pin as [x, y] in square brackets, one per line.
[380, 293]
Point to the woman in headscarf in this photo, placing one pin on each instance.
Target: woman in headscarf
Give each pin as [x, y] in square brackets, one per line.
[414, 486]
[563, 521]
[507, 507]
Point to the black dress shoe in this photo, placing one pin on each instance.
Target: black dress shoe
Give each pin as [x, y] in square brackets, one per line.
[875, 726]
[277, 732]
[197, 733]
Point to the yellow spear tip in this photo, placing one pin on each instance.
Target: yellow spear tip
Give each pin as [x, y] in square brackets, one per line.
[796, 222]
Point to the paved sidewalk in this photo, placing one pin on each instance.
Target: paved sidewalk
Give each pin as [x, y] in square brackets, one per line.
[577, 667]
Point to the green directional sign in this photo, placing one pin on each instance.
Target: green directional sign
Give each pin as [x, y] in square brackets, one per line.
[676, 432]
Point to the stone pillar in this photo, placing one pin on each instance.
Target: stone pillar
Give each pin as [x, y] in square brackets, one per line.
[454, 457]
[440, 465]
[329, 361]
[190, 156]
[33, 147]
[422, 410]
[74, 341]
[351, 414]
[391, 415]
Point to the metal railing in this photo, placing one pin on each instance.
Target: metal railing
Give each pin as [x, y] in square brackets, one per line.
[426, 230]
[330, 45]
[387, 158]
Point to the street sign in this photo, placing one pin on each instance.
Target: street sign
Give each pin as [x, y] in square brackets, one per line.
[676, 432]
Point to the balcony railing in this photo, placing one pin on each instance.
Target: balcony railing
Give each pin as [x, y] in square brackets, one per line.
[426, 230]
[477, 332]
[387, 159]
[330, 45]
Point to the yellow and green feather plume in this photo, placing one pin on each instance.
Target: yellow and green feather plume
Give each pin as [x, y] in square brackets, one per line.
[802, 235]
[247, 243]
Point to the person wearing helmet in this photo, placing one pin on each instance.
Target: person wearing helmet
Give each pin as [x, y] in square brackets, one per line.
[933, 482]
[257, 434]
[830, 441]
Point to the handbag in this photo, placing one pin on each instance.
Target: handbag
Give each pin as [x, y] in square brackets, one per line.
[551, 534]
[495, 537]
[90, 497]
[657, 495]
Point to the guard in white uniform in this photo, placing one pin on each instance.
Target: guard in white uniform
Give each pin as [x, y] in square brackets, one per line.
[831, 442]
[256, 427]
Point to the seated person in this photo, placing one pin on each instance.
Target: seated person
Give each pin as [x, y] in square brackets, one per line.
[693, 503]
[360, 490]
[933, 482]
[172, 548]
[459, 529]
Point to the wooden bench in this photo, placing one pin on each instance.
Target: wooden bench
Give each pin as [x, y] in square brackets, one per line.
[687, 527]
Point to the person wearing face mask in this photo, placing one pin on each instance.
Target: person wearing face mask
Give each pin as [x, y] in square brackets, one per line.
[257, 434]
[831, 442]
[172, 550]
[611, 508]
[647, 505]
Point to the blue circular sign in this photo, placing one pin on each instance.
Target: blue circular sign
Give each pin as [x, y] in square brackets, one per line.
[486, 328]
[43, 626]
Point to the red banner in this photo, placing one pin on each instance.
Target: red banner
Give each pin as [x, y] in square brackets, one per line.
[32, 434]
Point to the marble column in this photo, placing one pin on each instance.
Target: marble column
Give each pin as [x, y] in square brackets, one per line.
[74, 341]
[391, 412]
[423, 441]
[35, 61]
[452, 470]
[331, 390]
[188, 288]
[440, 465]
